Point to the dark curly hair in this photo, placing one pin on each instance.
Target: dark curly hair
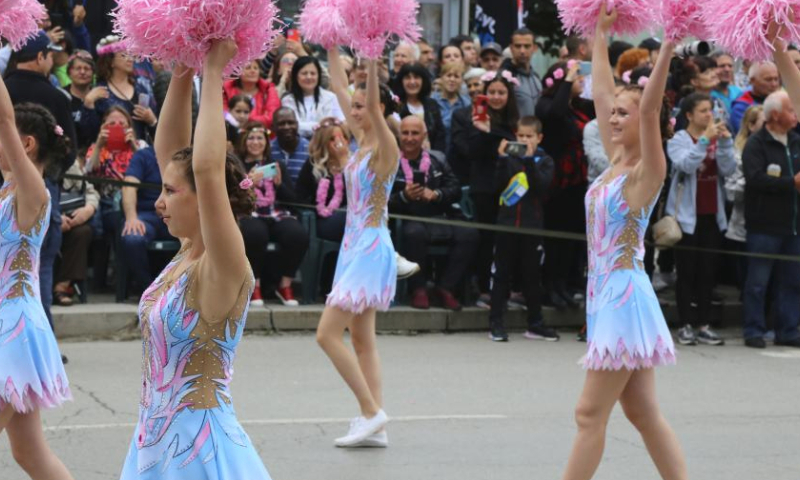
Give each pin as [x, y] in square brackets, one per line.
[243, 202]
[413, 69]
[35, 120]
[665, 119]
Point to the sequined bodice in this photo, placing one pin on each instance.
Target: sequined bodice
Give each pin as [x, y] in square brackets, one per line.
[367, 194]
[19, 251]
[615, 234]
[187, 362]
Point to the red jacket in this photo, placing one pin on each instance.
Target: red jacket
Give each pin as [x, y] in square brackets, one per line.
[266, 101]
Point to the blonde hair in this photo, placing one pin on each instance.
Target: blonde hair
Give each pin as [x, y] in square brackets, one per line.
[744, 131]
[318, 152]
[454, 67]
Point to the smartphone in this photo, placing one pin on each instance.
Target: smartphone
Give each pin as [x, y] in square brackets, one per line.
[516, 149]
[293, 35]
[585, 69]
[480, 108]
[269, 171]
[288, 23]
[116, 138]
[419, 178]
[144, 100]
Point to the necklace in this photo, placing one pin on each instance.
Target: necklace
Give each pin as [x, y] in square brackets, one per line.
[424, 166]
[322, 194]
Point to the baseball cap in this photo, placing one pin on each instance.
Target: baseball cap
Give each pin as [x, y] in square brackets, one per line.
[39, 43]
[492, 47]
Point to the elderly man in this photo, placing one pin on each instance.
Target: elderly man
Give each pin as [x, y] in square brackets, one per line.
[523, 47]
[765, 80]
[425, 186]
[404, 54]
[771, 164]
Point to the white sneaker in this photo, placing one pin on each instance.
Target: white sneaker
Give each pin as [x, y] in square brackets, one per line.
[257, 303]
[376, 440]
[362, 428]
[405, 268]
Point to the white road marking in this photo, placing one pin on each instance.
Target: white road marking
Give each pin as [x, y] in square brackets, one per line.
[795, 354]
[290, 421]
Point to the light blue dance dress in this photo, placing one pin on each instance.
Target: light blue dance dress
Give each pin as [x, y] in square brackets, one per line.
[366, 272]
[626, 327]
[31, 372]
[187, 426]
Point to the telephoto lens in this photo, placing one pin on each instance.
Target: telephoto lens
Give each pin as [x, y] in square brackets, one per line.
[693, 49]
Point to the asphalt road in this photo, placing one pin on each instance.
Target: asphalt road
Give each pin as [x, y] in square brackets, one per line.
[463, 408]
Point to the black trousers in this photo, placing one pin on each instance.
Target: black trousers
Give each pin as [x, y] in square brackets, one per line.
[463, 244]
[486, 206]
[332, 228]
[565, 260]
[511, 251]
[288, 233]
[697, 271]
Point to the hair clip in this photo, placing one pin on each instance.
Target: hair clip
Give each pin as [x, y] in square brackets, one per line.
[548, 82]
[246, 184]
[642, 82]
[59, 131]
[395, 98]
[571, 64]
[626, 77]
[510, 78]
[673, 121]
[558, 74]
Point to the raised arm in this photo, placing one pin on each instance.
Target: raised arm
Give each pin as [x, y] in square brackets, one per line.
[31, 192]
[386, 154]
[174, 131]
[338, 85]
[603, 86]
[225, 262]
[653, 166]
[790, 75]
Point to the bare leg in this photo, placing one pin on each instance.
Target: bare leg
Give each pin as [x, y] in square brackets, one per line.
[330, 334]
[641, 407]
[362, 333]
[5, 417]
[31, 451]
[600, 393]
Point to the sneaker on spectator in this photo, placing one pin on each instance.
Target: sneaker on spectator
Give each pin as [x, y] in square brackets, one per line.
[484, 301]
[405, 268]
[448, 299]
[686, 336]
[516, 301]
[376, 440]
[769, 336]
[498, 334]
[256, 300]
[362, 428]
[707, 336]
[286, 296]
[540, 332]
[419, 299]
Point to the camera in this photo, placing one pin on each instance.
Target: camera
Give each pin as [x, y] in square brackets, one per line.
[693, 49]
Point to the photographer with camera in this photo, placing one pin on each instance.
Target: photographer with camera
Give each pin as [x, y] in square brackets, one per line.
[702, 156]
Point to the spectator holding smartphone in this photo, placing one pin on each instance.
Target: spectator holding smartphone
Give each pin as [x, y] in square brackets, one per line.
[494, 119]
[702, 156]
[524, 179]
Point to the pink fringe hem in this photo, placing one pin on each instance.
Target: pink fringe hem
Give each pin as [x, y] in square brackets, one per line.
[28, 400]
[604, 359]
[359, 304]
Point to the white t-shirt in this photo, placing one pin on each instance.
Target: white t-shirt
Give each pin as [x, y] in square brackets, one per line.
[310, 113]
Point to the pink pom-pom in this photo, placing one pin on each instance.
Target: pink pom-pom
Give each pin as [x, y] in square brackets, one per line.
[321, 22]
[181, 31]
[19, 20]
[681, 19]
[740, 26]
[372, 23]
[633, 16]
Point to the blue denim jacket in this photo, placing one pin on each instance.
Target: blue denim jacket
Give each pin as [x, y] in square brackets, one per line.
[687, 156]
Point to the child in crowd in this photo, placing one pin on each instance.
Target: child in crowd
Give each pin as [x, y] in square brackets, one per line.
[524, 177]
[239, 109]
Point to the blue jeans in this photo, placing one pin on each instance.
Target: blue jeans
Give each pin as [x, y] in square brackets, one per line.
[133, 248]
[50, 248]
[786, 286]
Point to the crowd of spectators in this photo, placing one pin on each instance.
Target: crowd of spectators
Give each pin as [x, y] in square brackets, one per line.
[733, 181]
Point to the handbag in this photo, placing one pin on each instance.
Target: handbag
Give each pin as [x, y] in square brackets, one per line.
[71, 201]
[667, 231]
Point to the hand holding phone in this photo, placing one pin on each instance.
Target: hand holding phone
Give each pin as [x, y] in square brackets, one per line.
[480, 109]
[116, 138]
[144, 100]
[516, 149]
[419, 178]
[586, 69]
[268, 171]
